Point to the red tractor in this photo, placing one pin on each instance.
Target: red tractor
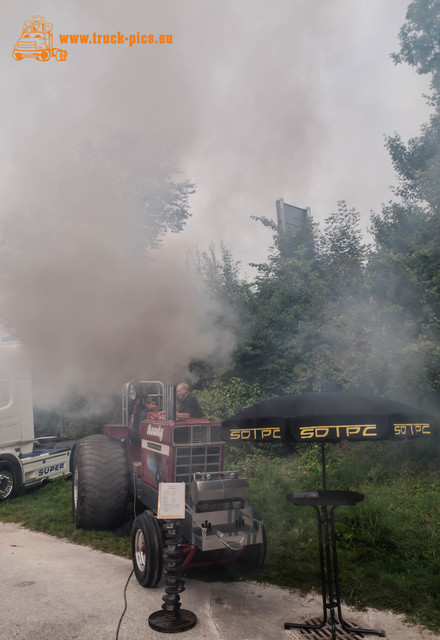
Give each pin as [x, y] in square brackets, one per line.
[132, 459]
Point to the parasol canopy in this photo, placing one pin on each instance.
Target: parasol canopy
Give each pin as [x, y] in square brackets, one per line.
[328, 417]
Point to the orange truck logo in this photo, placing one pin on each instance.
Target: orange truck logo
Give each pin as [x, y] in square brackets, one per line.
[36, 41]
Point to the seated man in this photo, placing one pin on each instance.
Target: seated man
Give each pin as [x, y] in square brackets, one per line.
[140, 411]
[149, 405]
[188, 404]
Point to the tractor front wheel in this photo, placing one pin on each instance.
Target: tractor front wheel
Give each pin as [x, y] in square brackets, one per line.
[147, 549]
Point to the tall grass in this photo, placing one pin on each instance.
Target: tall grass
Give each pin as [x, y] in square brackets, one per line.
[388, 545]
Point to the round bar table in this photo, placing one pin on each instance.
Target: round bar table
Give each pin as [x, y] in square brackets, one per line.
[325, 502]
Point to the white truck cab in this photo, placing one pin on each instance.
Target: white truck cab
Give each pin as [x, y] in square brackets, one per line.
[24, 460]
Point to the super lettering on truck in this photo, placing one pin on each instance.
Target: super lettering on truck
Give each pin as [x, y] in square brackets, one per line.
[24, 460]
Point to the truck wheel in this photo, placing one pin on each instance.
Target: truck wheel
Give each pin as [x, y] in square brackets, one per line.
[146, 546]
[61, 55]
[254, 555]
[8, 481]
[17, 56]
[100, 483]
[44, 56]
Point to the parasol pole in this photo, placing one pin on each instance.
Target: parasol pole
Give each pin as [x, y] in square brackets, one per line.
[324, 482]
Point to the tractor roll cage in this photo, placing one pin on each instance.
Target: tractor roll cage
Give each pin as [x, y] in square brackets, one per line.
[165, 396]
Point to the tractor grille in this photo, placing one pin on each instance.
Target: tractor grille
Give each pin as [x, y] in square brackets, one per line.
[197, 434]
[200, 435]
[190, 460]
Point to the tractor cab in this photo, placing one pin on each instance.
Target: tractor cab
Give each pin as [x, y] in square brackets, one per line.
[135, 393]
[139, 400]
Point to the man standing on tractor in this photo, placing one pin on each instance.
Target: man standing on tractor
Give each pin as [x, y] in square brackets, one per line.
[188, 404]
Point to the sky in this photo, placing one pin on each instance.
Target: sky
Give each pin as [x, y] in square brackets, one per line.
[252, 101]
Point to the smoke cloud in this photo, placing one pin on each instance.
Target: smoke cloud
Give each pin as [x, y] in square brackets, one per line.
[79, 287]
[252, 101]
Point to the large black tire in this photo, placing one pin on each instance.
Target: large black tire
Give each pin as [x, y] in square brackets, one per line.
[147, 550]
[100, 483]
[254, 555]
[9, 481]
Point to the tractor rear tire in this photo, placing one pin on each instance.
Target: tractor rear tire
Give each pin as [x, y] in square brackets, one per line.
[100, 483]
[147, 550]
[254, 555]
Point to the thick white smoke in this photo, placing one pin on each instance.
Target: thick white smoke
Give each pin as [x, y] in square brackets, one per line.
[81, 287]
[254, 101]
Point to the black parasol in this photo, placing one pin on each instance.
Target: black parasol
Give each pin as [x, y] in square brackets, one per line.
[328, 417]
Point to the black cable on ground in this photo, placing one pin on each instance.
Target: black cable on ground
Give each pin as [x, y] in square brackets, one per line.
[125, 607]
[132, 571]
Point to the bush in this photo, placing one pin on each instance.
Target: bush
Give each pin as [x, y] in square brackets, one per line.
[223, 398]
[388, 545]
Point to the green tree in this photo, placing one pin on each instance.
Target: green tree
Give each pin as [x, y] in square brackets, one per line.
[327, 312]
[300, 325]
[343, 323]
[221, 275]
[418, 162]
[227, 395]
[127, 166]
[284, 298]
[419, 39]
[404, 270]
